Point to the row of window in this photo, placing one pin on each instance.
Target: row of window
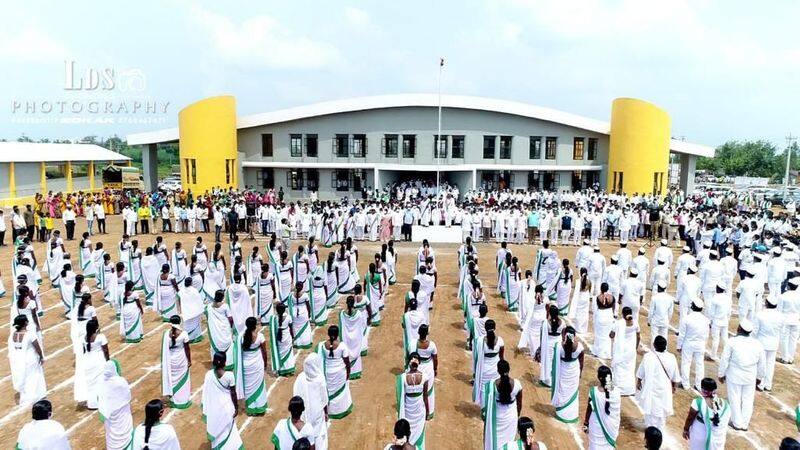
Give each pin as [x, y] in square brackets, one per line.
[355, 145]
[299, 179]
[190, 168]
[618, 182]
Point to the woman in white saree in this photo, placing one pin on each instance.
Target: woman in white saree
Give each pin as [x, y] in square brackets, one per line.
[567, 366]
[706, 423]
[81, 313]
[114, 407]
[486, 352]
[293, 432]
[601, 421]
[220, 326]
[603, 323]
[310, 385]
[564, 288]
[136, 265]
[85, 262]
[150, 271]
[250, 370]
[549, 337]
[625, 341]
[281, 337]
[412, 400]
[390, 258]
[352, 328]
[214, 279]
[428, 364]
[265, 294]
[373, 287]
[336, 365]
[25, 358]
[132, 311]
[331, 281]
[152, 434]
[318, 294]
[93, 359]
[502, 404]
[512, 289]
[344, 274]
[191, 307]
[176, 359]
[300, 310]
[581, 303]
[220, 406]
[166, 294]
[66, 287]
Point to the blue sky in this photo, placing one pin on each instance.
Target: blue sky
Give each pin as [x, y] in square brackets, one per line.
[722, 69]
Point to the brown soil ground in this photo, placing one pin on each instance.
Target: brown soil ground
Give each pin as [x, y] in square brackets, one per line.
[370, 425]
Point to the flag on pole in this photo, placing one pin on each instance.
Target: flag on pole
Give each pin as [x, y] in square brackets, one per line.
[441, 62]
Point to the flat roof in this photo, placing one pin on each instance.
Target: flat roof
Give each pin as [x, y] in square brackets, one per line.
[22, 152]
[417, 100]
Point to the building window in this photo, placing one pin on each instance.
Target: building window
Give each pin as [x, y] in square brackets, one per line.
[389, 146]
[551, 181]
[550, 146]
[617, 186]
[534, 180]
[577, 148]
[505, 147]
[312, 179]
[409, 145]
[311, 145]
[440, 147]
[578, 180]
[294, 179]
[658, 183]
[359, 145]
[340, 180]
[230, 169]
[592, 149]
[266, 145]
[295, 145]
[535, 150]
[341, 145]
[488, 146]
[265, 178]
[458, 146]
[358, 179]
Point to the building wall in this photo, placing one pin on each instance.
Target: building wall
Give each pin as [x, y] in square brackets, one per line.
[325, 192]
[422, 122]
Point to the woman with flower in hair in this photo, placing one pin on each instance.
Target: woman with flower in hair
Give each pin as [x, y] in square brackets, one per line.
[707, 421]
[526, 441]
[601, 421]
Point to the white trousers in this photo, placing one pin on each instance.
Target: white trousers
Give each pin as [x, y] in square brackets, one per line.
[689, 356]
[595, 235]
[565, 236]
[741, 398]
[623, 235]
[789, 335]
[769, 357]
[659, 330]
[718, 334]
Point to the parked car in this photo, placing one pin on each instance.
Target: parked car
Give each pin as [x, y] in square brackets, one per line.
[170, 184]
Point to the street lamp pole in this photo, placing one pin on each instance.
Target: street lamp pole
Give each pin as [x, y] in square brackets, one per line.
[790, 140]
[439, 133]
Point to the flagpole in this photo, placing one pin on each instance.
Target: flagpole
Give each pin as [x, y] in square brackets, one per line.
[439, 133]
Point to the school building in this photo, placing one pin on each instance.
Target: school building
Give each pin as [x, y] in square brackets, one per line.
[337, 148]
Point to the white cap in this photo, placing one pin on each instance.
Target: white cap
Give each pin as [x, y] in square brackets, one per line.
[776, 251]
[642, 251]
[722, 285]
[750, 271]
[686, 249]
[713, 252]
[758, 256]
[661, 259]
[634, 271]
[746, 325]
[614, 258]
[699, 303]
[707, 243]
[772, 300]
[586, 242]
[662, 284]
[596, 248]
[794, 281]
[692, 268]
[664, 242]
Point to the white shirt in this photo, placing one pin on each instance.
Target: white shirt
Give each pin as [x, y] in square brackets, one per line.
[767, 328]
[68, 215]
[661, 305]
[694, 331]
[742, 360]
[99, 212]
[719, 309]
[789, 307]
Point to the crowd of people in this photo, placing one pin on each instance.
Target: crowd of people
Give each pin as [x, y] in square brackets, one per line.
[729, 244]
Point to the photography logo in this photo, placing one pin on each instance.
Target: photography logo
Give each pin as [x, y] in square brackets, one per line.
[95, 95]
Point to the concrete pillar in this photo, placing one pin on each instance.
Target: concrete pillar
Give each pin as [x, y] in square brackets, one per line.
[688, 167]
[474, 179]
[150, 166]
[42, 177]
[68, 174]
[376, 178]
[12, 181]
[90, 169]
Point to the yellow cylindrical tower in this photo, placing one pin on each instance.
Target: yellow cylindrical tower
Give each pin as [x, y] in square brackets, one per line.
[638, 156]
[208, 151]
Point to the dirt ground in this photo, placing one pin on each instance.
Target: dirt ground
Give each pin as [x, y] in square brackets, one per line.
[370, 424]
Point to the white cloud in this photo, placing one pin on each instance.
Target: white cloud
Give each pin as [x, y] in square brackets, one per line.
[31, 45]
[262, 41]
[357, 17]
